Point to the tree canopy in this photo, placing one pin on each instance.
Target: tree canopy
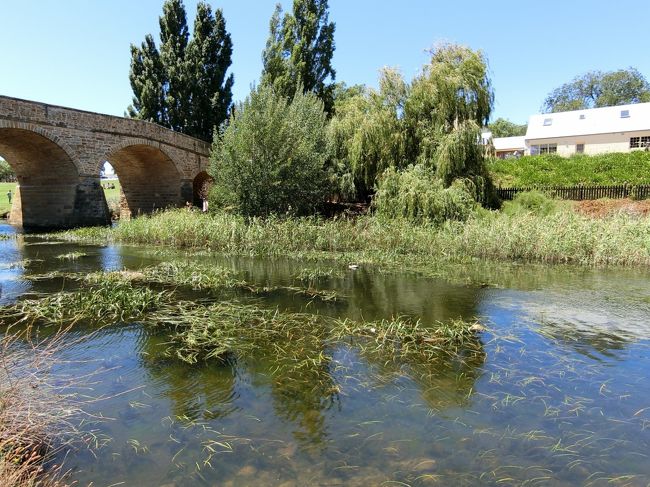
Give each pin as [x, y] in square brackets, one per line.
[505, 128]
[270, 157]
[299, 50]
[597, 89]
[435, 121]
[185, 85]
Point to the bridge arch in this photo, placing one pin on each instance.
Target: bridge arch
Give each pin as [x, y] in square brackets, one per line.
[47, 174]
[148, 175]
[201, 185]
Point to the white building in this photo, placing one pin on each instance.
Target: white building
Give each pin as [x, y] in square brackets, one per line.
[595, 131]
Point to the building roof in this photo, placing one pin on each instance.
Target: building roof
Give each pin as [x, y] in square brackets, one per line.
[623, 118]
[509, 143]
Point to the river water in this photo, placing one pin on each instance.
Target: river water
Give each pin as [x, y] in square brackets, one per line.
[559, 394]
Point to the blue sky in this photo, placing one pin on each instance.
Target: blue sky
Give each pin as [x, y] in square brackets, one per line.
[76, 52]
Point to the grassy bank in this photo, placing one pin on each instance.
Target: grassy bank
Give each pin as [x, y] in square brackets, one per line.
[561, 237]
[553, 170]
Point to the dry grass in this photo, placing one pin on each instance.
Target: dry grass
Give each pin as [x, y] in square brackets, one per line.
[36, 411]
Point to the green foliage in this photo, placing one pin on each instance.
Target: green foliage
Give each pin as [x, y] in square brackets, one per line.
[368, 136]
[184, 85]
[597, 89]
[7, 174]
[561, 237]
[418, 196]
[505, 128]
[434, 121]
[271, 156]
[209, 55]
[534, 202]
[299, 51]
[553, 170]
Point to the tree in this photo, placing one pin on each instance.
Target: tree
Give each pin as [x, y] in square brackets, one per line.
[174, 37]
[434, 121]
[209, 55]
[299, 50]
[505, 128]
[270, 157]
[7, 174]
[184, 86]
[596, 89]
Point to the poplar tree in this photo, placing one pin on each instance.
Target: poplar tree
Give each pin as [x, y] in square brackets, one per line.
[209, 56]
[148, 81]
[174, 37]
[299, 51]
[184, 86]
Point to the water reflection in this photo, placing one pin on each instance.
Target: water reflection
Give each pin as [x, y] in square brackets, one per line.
[556, 391]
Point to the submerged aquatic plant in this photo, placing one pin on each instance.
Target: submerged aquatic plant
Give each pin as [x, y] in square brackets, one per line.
[72, 256]
[106, 302]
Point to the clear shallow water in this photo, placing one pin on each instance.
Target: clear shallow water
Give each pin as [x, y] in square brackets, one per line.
[557, 396]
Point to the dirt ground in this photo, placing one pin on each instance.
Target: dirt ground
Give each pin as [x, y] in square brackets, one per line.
[605, 207]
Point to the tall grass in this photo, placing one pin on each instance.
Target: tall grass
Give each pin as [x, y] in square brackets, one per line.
[562, 237]
[37, 413]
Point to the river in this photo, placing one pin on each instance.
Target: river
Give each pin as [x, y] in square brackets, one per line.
[559, 394]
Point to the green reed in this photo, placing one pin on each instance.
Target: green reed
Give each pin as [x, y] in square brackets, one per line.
[562, 237]
[106, 302]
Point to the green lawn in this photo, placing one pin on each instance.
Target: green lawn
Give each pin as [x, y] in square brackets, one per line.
[4, 201]
[111, 194]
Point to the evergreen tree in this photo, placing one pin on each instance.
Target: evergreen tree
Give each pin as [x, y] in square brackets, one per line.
[209, 56]
[148, 80]
[184, 86]
[299, 51]
[174, 37]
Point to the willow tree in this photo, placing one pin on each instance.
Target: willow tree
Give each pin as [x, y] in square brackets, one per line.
[367, 134]
[449, 103]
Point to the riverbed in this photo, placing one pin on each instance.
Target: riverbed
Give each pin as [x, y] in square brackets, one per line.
[558, 394]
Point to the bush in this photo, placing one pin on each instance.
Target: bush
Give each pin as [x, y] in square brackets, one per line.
[270, 157]
[418, 196]
[553, 170]
[534, 202]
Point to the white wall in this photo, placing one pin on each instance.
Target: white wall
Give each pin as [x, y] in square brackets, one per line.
[594, 144]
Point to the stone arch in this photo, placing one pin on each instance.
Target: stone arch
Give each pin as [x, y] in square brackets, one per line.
[72, 154]
[201, 182]
[47, 174]
[149, 177]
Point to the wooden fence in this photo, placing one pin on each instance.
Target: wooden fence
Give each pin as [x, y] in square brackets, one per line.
[578, 193]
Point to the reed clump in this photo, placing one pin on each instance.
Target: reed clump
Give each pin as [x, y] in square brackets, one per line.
[37, 413]
[560, 237]
[108, 301]
[231, 329]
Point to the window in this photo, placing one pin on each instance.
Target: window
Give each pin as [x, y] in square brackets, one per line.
[548, 122]
[580, 148]
[543, 149]
[639, 142]
[625, 114]
[582, 116]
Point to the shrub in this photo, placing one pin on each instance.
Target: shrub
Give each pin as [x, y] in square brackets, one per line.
[534, 202]
[270, 157]
[418, 196]
[553, 170]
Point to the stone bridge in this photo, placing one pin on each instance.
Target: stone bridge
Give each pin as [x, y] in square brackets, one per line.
[58, 153]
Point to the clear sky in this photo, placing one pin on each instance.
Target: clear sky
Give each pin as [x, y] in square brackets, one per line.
[76, 52]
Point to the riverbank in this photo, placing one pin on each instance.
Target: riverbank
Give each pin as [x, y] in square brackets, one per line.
[561, 237]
